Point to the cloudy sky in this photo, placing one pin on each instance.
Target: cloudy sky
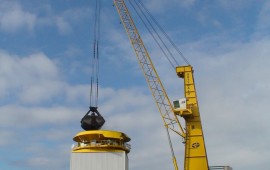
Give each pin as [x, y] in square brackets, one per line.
[45, 53]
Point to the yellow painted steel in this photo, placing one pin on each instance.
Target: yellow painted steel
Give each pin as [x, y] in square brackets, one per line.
[175, 163]
[195, 151]
[101, 141]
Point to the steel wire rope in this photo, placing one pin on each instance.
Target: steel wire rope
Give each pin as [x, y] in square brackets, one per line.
[97, 61]
[149, 30]
[162, 100]
[165, 34]
[158, 35]
[95, 58]
[159, 46]
[154, 39]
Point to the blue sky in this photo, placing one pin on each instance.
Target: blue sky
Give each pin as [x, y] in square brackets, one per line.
[45, 52]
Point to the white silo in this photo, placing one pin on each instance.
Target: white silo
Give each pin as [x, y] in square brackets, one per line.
[100, 150]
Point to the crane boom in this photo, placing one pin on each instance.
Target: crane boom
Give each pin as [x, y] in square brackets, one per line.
[195, 153]
[157, 89]
[161, 98]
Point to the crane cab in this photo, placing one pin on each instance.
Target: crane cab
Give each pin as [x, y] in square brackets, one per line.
[181, 108]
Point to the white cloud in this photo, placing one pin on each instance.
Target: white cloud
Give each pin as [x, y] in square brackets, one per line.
[45, 157]
[14, 18]
[72, 52]
[38, 93]
[63, 26]
[36, 116]
[159, 5]
[263, 25]
[33, 79]
[67, 20]
[77, 93]
[6, 137]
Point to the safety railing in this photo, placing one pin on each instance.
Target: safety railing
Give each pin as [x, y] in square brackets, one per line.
[102, 143]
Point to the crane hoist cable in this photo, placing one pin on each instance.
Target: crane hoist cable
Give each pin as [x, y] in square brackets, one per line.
[148, 19]
[169, 57]
[93, 120]
[95, 58]
[153, 34]
[164, 32]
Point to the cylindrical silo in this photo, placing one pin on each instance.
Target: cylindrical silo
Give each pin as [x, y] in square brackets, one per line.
[100, 150]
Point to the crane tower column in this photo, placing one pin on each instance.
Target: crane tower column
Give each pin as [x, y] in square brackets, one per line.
[195, 152]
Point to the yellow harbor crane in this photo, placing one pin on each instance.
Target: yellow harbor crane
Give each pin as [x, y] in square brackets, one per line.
[187, 108]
